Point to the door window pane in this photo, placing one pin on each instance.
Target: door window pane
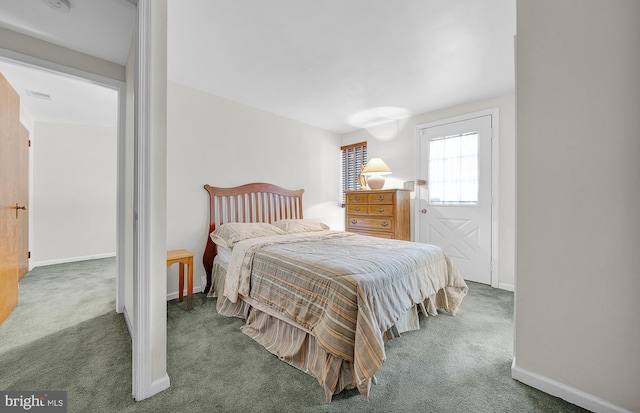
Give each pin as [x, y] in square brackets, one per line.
[453, 169]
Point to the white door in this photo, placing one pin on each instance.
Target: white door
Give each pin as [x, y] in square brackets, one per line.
[454, 193]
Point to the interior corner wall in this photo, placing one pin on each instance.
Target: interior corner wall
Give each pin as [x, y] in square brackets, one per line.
[128, 170]
[396, 143]
[212, 140]
[577, 332]
[74, 193]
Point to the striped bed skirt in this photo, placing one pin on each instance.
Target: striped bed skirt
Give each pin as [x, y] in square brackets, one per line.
[298, 347]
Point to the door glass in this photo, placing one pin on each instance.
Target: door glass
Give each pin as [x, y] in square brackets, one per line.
[453, 169]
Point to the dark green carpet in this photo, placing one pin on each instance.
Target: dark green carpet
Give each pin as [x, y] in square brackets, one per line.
[454, 364]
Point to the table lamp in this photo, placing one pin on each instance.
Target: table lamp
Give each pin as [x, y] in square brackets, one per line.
[373, 171]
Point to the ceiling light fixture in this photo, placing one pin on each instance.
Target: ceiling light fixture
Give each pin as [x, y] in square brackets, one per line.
[60, 5]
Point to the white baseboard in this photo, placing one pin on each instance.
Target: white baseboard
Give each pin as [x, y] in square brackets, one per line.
[127, 321]
[196, 289]
[160, 384]
[174, 295]
[507, 287]
[71, 259]
[156, 387]
[565, 392]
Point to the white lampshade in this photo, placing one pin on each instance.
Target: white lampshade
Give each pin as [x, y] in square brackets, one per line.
[376, 166]
[373, 171]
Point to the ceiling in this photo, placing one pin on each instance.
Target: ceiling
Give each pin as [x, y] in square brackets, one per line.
[100, 28]
[336, 64]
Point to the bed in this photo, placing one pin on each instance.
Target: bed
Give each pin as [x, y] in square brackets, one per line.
[323, 301]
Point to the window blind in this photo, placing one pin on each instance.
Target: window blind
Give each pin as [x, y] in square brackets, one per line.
[354, 158]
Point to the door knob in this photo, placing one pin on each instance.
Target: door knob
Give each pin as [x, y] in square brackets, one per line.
[424, 211]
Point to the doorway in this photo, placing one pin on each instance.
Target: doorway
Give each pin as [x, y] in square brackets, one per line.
[90, 87]
[455, 192]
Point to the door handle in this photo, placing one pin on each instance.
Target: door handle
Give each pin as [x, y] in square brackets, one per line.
[18, 208]
[424, 211]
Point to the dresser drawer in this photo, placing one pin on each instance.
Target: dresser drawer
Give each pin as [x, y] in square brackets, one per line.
[381, 209]
[370, 223]
[381, 198]
[356, 199]
[358, 209]
[388, 235]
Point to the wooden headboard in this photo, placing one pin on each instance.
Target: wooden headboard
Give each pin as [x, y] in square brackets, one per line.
[257, 202]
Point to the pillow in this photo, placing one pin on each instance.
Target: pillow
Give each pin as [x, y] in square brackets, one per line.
[291, 226]
[227, 235]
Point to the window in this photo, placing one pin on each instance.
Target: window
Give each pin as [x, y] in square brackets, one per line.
[453, 170]
[354, 158]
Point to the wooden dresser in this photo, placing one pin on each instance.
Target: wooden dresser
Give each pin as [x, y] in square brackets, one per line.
[382, 213]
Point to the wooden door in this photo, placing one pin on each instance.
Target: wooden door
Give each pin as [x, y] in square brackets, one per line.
[9, 121]
[23, 201]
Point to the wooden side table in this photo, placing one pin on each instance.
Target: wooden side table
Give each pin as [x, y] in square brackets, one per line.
[183, 257]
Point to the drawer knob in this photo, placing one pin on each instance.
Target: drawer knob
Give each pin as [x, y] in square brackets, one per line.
[356, 198]
[380, 198]
[384, 223]
[380, 209]
[356, 209]
[354, 221]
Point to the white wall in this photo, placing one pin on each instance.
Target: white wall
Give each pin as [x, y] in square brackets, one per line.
[150, 208]
[74, 192]
[219, 142]
[396, 143]
[578, 268]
